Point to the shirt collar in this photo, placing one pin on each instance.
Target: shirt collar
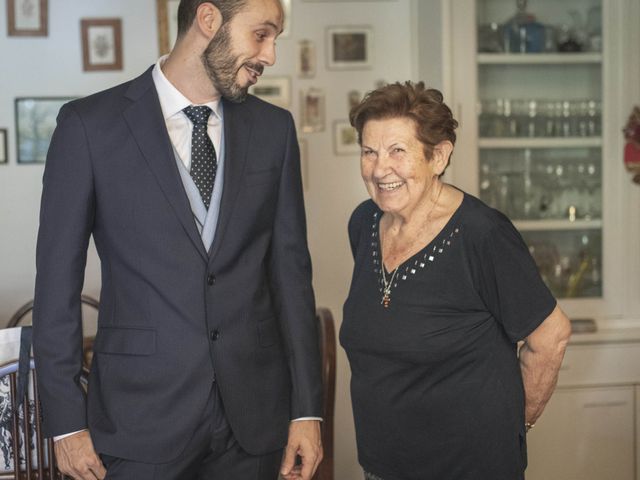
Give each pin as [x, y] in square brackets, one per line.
[172, 101]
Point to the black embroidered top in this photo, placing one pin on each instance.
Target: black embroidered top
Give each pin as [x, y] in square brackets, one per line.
[436, 386]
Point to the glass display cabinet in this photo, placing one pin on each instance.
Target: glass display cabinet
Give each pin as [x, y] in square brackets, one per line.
[531, 88]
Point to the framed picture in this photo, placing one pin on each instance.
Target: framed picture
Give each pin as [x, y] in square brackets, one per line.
[304, 163]
[354, 97]
[35, 122]
[349, 48]
[4, 155]
[27, 18]
[275, 90]
[306, 59]
[312, 110]
[167, 24]
[101, 44]
[345, 138]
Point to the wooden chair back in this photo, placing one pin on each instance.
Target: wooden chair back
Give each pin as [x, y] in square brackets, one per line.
[327, 339]
[25, 453]
[90, 307]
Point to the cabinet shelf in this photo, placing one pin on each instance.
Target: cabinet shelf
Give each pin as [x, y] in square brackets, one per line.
[563, 142]
[555, 225]
[538, 58]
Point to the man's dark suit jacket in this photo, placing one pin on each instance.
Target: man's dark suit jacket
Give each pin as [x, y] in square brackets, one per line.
[173, 315]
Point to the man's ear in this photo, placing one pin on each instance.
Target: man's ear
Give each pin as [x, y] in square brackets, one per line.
[441, 155]
[208, 19]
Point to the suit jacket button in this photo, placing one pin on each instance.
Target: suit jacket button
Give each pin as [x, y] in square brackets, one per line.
[211, 279]
[214, 335]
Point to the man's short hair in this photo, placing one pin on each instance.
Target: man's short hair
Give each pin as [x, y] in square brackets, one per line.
[187, 11]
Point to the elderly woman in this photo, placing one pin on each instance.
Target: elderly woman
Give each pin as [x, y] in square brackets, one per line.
[443, 290]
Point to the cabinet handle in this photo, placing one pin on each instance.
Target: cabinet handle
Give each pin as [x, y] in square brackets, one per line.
[619, 403]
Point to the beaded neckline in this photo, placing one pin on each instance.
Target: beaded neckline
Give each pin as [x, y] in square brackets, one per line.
[414, 264]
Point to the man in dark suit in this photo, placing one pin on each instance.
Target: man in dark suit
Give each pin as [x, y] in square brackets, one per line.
[206, 359]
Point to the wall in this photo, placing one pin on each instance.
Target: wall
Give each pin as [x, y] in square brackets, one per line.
[52, 66]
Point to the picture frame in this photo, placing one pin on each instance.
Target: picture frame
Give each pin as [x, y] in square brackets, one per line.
[306, 61]
[275, 90]
[101, 44]
[304, 162]
[312, 110]
[27, 18]
[345, 138]
[349, 48]
[35, 122]
[4, 147]
[167, 13]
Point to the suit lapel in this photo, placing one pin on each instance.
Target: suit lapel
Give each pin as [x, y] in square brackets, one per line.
[237, 135]
[145, 119]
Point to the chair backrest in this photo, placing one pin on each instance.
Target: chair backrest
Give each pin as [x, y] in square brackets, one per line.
[24, 452]
[90, 307]
[327, 338]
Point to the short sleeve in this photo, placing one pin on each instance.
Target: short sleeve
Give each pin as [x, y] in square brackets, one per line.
[356, 223]
[511, 286]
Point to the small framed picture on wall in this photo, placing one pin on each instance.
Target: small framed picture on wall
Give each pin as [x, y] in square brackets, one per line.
[349, 48]
[101, 44]
[306, 59]
[35, 122]
[4, 148]
[275, 90]
[345, 138]
[167, 24]
[312, 110]
[28, 18]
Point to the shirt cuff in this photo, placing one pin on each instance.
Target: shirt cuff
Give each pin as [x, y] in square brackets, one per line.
[60, 437]
[319, 419]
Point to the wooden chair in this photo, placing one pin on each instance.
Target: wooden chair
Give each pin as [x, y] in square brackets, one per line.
[327, 338]
[90, 307]
[22, 443]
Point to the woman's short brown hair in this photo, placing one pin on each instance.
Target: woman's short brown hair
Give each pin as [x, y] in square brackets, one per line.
[432, 117]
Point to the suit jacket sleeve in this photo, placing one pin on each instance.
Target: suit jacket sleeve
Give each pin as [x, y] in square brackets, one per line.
[290, 275]
[66, 220]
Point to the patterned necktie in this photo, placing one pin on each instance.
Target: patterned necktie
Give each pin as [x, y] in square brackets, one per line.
[203, 156]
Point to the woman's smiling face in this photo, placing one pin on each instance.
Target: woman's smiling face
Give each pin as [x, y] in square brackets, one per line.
[395, 171]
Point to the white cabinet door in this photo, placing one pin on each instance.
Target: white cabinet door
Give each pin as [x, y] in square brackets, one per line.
[585, 434]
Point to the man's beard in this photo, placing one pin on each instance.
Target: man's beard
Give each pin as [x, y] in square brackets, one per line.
[222, 67]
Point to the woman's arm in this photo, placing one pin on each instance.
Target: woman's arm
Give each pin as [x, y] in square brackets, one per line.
[540, 359]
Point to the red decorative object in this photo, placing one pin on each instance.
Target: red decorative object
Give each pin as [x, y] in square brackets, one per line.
[632, 148]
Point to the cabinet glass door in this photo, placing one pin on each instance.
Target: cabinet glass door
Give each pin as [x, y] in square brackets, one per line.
[539, 71]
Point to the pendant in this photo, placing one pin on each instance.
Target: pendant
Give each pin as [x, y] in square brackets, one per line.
[386, 300]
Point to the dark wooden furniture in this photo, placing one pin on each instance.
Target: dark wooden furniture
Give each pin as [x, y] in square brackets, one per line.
[23, 317]
[327, 338]
[22, 442]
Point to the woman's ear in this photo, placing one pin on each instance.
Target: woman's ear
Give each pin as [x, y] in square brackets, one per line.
[441, 155]
[208, 19]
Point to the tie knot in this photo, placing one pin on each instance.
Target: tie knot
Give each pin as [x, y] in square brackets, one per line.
[198, 115]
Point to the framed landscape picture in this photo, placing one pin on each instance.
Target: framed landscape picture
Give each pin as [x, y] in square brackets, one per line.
[275, 90]
[345, 138]
[35, 122]
[27, 18]
[349, 48]
[101, 44]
